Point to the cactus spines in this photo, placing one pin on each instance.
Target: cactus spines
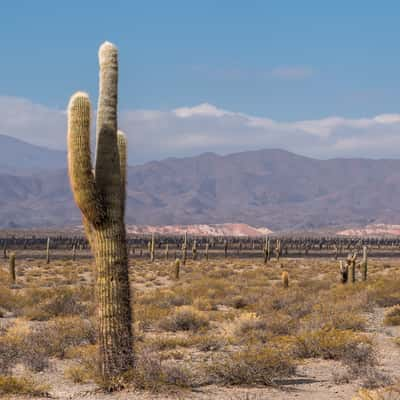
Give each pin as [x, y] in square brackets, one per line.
[285, 279]
[177, 268]
[101, 198]
[13, 275]
[344, 272]
[364, 263]
[48, 251]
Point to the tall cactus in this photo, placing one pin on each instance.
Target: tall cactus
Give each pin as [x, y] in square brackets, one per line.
[100, 195]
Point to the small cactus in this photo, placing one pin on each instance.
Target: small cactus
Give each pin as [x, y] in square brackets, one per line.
[13, 275]
[177, 268]
[285, 279]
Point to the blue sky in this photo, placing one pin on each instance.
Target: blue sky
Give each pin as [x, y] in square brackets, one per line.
[288, 61]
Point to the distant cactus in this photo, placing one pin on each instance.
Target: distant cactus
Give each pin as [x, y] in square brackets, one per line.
[278, 249]
[225, 248]
[13, 275]
[206, 251]
[364, 263]
[152, 248]
[184, 249]
[100, 195]
[336, 251]
[48, 251]
[177, 268]
[351, 262]
[285, 279]
[266, 250]
[166, 251]
[194, 250]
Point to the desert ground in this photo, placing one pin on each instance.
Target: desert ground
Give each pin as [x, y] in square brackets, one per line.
[227, 328]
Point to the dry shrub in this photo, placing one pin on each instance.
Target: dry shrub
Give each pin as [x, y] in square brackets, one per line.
[33, 345]
[392, 316]
[239, 302]
[384, 292]
[78, 373]
[295, 303]
[211, 342]
[248, 323]
[339, 316]
[185, 318]
[161, 342]
[86, 358]
[389, 393]
[147, 315]
[10, 385]
[254, 365]
[331, 343]
[61, 302]
[151, 373]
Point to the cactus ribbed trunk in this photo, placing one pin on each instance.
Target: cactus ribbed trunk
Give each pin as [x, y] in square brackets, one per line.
[100, 195]
[113, 299]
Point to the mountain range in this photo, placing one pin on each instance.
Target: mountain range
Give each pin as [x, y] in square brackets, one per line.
[268, 188]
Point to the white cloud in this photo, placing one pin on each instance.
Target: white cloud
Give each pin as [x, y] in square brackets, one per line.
[32, 122]
[154, 134]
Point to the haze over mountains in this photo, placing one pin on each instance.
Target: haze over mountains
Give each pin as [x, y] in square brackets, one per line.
[266, 188]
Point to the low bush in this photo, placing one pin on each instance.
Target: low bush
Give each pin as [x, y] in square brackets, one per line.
[392, 316]
[10, 385]
[253, 365]
[185, 318]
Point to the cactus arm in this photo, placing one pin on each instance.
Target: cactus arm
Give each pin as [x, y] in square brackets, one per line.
[107, 157]
[79, 159]
[122, 150]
